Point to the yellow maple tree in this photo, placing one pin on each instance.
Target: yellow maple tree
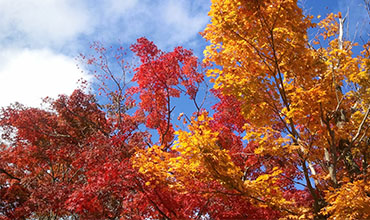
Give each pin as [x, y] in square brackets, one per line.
[304, 101]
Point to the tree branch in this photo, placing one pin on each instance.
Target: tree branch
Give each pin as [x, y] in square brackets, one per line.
[9, 175]
[361, 126]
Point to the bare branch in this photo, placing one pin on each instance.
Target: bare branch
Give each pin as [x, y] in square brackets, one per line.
[9, 175]
[361, 126]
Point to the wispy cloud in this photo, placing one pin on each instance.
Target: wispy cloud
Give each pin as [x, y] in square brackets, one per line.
[168, 23]
[36, 23]
[40, 38]
[60, 23]
[184, 24]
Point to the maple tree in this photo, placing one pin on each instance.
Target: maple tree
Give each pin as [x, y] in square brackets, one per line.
[288, 138]
[292, 112]
[306, 107]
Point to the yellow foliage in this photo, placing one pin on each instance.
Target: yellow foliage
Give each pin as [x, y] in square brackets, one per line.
[303, 104]
[350, 201]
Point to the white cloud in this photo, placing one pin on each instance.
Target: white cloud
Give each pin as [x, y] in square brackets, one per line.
[39, 23]
[39, 38]
[30, 75]
[61, 24]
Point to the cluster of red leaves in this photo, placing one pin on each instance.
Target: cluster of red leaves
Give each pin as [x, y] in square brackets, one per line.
[159, 78]
[65, 160]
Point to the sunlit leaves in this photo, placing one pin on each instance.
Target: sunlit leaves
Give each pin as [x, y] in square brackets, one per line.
[304, 104]
[351, 201]
[288, 137]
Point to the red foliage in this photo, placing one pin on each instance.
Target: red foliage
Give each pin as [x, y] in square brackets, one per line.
[159, 78]
[75, 160]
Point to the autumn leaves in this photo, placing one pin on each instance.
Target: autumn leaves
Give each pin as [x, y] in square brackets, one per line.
[281, 142]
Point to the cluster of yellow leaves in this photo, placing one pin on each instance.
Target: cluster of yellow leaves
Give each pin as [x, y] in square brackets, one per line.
[266, 193]
[270, 141]
[351, 201]
[196, 156]
[362, 78]
[257, 43]
[198, 151]
[153, 162]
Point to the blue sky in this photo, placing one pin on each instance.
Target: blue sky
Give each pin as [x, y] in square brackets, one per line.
[39, 39]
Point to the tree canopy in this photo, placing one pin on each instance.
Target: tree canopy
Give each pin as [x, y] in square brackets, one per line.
[288, 137]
